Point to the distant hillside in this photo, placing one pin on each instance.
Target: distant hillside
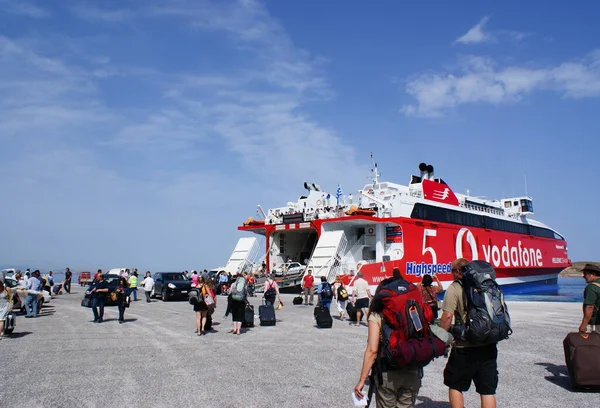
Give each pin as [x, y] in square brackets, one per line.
[575, 269]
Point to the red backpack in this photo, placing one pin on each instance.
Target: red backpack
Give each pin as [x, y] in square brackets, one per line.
[406, 338]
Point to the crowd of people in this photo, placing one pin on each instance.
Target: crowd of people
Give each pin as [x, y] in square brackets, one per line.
[395, 386]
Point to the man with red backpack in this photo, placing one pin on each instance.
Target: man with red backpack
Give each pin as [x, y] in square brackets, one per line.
[399, 344]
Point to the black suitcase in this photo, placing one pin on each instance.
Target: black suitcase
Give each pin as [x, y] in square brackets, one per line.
[351, 310]
[266, 314]
[323, 317]
[9, 323]
[248, 317]
[582, 356]
[208, 324]
[297, 300]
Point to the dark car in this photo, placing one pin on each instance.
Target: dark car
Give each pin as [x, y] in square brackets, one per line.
[113, 284]
[169, 285]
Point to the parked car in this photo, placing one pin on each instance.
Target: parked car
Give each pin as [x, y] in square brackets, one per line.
[169, 285]
[113, 284]
[20, 294]
[289, 268]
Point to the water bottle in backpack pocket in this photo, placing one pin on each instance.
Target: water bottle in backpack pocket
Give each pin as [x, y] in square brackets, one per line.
[406, 337]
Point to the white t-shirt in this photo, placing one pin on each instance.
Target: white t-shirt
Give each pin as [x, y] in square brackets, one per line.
[360, 288]
[148, 284]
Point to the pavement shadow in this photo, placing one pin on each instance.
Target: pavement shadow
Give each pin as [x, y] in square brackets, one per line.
[425, 402]
[560, 375]
[17, 335]
[128, 320]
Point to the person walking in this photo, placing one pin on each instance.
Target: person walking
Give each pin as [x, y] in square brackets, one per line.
[133, 284]
[340, 294]
[202, 307]
[67, 281]
[271, 292]
[6, 303]
[239, 299]
[122, 298]
[99, 291]
[148, 284]
[394, 387]
[591, 299]
[307, 287]
[325, 293]
[34, 286]
[430, 292]
[467, 362]
[361, 295]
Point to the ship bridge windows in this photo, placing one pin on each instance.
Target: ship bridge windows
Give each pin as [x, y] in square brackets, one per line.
[526, 205]
[507, 204]
[438, 214]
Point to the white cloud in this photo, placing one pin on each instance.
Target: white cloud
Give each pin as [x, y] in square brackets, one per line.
[476, 34]
[24, 8]
[90, 13]
[197, 151]
[481, 80]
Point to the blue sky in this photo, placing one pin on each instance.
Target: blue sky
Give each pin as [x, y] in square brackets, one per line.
[141, 133]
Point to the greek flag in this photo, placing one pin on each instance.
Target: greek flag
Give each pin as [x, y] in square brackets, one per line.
[338, 194]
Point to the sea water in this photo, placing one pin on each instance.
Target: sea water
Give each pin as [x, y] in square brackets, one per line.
[565, 290]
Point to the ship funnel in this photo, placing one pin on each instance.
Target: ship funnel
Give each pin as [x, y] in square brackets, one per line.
[422, 170]
[316, 187]
[430, 172]
[308, 186]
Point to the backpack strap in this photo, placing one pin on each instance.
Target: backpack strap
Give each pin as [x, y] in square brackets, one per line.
[596, 284]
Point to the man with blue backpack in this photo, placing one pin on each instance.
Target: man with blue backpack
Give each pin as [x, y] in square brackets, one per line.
[476, 303]
[325, 293]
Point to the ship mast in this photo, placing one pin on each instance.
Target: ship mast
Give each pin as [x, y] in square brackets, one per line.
[374, 171]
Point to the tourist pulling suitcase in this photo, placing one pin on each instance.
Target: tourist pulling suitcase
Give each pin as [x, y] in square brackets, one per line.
[266, 314]
[582, 356]
[323, 317]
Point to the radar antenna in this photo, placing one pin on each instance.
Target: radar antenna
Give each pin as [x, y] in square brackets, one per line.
[375, 171]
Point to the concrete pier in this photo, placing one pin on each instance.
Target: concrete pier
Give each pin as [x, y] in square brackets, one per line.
[155, 359]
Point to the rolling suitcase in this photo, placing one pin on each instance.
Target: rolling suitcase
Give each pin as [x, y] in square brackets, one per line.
[297, 300]
[266, 314]
[248, 317]
[582, 356]
[208, 324]
[323, 317]
[351, 310]
[9, 323]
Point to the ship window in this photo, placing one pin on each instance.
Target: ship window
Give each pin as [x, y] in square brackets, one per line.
[557, 236]
[515, 203]
[507, 204]
[526, 206]
[542, 232]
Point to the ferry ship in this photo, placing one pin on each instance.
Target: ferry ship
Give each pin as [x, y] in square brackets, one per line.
[419, 228]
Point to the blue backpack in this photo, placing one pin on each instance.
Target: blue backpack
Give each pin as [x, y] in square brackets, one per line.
[326, 292]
